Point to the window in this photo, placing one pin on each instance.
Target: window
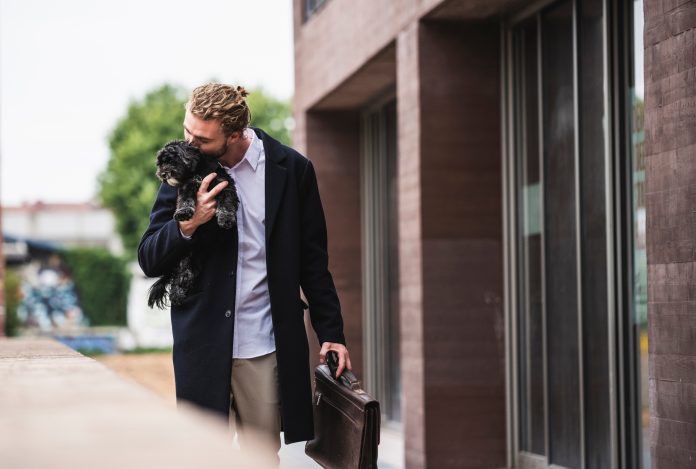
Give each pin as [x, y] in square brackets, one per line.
[311, 7]
[380, 258]
[561, 162]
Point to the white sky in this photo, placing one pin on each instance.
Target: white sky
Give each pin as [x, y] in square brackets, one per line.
[69, 68]
[639, 25]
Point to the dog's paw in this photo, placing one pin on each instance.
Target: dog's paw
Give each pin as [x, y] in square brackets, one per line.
[226, 220]
[183, 214]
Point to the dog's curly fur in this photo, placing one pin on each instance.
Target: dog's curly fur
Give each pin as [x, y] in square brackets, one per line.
[181, 165]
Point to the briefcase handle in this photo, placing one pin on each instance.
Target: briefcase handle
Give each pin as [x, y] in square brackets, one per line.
[347, 377]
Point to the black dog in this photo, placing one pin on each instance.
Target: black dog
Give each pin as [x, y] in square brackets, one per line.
[184, 166]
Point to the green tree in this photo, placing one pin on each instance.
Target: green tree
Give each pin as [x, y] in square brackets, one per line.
[102, 281]
[271, 114]
[13, 282]
[128, 186]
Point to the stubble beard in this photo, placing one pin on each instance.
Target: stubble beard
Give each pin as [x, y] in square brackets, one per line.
[218, 153]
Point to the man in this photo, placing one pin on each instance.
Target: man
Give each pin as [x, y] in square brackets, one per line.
[240, 344]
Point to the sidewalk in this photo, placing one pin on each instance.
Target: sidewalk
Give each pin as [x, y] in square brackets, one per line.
[391, 453]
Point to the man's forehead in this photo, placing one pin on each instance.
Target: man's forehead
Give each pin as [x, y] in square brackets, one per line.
[201, 128]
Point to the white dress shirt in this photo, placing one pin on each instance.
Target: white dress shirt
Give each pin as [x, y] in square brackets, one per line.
[253, 327]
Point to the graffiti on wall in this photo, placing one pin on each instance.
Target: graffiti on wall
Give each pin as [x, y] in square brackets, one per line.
[49, 300]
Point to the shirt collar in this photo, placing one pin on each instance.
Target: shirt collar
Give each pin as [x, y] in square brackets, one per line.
[254, 152]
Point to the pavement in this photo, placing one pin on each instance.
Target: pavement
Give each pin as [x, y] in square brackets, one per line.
[390, 453]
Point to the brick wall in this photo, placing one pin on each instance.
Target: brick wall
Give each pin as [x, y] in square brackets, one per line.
[332, 143]
[670, 136]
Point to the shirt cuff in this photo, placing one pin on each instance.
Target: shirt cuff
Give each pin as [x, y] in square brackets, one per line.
[183, 235]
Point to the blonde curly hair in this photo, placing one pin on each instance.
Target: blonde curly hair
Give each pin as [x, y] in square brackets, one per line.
[221, 102]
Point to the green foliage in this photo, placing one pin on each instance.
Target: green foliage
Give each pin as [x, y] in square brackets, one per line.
[102, 281]
[128, 186]
[13, 281]
[270, 114]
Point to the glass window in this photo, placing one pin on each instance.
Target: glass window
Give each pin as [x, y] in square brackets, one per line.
[530, 304]
[311, 7]
[380, 259]
[640, 288]
[593, 163]
[560, 235]
[561, 164]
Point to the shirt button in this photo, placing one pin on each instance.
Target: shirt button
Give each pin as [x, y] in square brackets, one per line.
[228, 313]
[232, 274]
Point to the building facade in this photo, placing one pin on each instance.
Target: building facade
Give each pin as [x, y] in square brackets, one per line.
[485, 168]
[65, 224]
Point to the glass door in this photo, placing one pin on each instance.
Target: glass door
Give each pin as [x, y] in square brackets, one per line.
[564, 309]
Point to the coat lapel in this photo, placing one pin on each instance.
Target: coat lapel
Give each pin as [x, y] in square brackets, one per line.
[276, 174]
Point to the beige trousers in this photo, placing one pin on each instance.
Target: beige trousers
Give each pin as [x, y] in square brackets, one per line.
[255, 404]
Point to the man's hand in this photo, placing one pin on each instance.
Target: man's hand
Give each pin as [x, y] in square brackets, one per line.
[205, 205]
[343, 357]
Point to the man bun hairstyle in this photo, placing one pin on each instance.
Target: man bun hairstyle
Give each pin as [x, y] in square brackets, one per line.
[221, 102]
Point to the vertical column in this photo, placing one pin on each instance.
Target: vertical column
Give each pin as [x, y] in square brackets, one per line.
[670, 146]
[410, 245]
[450, 210]
[462, 245]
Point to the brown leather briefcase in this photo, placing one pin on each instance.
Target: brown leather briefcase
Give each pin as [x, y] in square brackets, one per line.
[346, 422]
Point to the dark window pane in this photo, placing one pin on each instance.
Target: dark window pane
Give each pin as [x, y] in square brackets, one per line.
[530, 315]
[593, 234]
[393, 364]
[560, 235]
[311, 7]
[381, 262]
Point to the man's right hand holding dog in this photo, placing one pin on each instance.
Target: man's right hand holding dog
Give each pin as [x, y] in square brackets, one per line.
[205, 205]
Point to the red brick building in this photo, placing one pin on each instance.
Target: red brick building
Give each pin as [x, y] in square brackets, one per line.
[485, 171]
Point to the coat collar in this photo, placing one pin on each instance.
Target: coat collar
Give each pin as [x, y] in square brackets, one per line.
[276, 174]
[271, 146]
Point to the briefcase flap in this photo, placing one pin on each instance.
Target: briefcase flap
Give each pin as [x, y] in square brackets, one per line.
[347, 422]
[348, 390]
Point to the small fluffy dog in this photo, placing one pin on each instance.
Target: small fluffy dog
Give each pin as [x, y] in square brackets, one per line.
[183, 166]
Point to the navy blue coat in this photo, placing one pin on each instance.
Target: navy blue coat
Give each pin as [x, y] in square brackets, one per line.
[296, 256]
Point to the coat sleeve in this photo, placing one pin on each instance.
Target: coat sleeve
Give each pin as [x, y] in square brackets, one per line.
[162, 244]
[315, 278]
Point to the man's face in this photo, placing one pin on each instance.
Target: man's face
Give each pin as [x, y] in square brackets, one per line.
[206, 135]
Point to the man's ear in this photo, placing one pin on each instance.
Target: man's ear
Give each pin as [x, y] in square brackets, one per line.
[234, 137]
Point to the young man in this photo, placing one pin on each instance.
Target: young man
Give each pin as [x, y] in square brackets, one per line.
[240, 344]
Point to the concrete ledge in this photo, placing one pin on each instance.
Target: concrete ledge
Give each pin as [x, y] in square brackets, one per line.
[59, 408]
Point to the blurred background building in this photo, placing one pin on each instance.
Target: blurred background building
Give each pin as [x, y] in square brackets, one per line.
[66, 224]
[483, 170]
